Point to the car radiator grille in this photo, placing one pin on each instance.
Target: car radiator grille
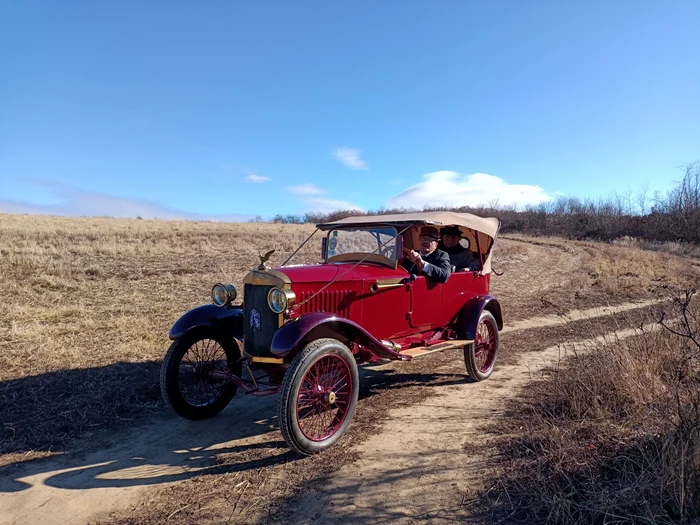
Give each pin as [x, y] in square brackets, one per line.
[331, 301]
[258, 336]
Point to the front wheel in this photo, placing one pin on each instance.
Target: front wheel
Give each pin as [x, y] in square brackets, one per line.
[186, 376]
[480, 356]
[319, 395]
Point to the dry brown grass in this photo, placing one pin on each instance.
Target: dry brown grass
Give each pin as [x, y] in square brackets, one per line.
[85, 308]
[552, 276]
[86, 304]
[613, 436]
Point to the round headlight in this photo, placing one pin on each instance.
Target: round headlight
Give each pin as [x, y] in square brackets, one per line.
[277, 300]
[223, 294]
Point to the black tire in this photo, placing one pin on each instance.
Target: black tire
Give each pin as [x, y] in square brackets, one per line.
[481, 355]
[184, 380]
[324, 419]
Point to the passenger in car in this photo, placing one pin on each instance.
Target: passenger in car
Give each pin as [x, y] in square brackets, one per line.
[433, 263]
[460, 257]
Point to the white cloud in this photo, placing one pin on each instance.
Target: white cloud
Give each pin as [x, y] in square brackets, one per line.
[257, 178]
[351, 158]
[448, 188]
[74, 202]
[306, 190]
[315, 199]
[324, 205]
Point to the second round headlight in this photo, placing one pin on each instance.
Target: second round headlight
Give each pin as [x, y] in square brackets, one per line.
[223, 294]
[278, 299]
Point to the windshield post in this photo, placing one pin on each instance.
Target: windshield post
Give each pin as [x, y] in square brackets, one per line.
[300, 247]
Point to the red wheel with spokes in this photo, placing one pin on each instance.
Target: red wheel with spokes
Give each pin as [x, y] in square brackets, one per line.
[319, 394]
[480, 356]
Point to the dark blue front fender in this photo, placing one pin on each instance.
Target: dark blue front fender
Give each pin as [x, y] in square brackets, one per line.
[228, 319]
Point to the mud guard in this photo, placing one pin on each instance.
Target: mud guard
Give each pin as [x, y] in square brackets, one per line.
[472, 311]
[229, 319]
[292, 336]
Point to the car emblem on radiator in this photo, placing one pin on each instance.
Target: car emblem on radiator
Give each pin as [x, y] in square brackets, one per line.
[255, 319]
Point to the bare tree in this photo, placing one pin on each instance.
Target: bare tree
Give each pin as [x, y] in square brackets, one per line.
[642, 198]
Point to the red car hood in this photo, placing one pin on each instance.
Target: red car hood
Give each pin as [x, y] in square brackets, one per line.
[344, 272]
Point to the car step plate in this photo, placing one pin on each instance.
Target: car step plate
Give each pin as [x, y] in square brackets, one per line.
[422, 350]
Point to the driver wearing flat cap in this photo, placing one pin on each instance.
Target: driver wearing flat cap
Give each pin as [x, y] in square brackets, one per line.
[433, 263]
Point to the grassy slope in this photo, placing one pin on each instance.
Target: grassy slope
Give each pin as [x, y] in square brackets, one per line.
[85, 306]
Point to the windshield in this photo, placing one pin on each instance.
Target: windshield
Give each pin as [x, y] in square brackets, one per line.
[355, 244]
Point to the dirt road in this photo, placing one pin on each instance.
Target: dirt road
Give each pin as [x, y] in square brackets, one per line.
[422, 463]
[405, 472]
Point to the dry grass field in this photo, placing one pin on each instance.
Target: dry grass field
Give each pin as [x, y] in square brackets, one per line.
[85, 309]
[86, 304]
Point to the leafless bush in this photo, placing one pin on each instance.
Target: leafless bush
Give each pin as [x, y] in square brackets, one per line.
[682, 205]
[612, 437]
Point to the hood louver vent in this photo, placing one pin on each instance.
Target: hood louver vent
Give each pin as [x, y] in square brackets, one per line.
[332, 302]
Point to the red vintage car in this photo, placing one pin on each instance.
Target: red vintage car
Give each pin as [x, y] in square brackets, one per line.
[303, 330]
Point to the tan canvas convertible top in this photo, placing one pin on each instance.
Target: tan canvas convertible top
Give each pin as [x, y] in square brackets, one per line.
[486, 227]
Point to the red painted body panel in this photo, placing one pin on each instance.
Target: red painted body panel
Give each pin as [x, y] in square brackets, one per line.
[383, 314]
[460, 289]
[320, 273]
[394, 314]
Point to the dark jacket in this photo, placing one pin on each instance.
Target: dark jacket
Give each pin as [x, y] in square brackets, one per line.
[461, 257]
[438, 268]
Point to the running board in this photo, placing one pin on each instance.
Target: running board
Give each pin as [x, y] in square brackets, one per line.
[440, 347]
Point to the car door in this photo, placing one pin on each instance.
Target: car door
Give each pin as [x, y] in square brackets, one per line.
[462, 287]
[426, 303]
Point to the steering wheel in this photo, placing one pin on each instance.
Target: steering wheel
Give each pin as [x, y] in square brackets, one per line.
[387, 251]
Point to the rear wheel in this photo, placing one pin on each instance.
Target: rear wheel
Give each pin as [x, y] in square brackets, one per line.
[319, 395]
[186, 374]
[480, 356]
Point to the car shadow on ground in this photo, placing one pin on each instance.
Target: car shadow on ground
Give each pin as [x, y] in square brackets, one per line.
[161, 451]
[369, 499]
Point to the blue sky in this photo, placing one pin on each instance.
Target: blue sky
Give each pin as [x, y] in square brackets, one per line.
[233, 109]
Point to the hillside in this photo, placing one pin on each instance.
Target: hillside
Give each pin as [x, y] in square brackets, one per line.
[85, 306]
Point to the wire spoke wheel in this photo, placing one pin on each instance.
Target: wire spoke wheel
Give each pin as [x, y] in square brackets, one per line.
[188, 375]
[480, 356]
[324, 397]
[485, 346]
[319, 395]
[197, 385]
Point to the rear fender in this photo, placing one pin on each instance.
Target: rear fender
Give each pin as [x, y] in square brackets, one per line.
[294, 335]
[469, 318]
[228, 319]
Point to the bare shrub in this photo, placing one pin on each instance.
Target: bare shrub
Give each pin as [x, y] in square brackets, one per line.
[611, 436]
[682, 205]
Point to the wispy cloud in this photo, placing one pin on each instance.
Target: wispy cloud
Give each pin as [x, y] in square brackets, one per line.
[257, 178]
[316, 199]
[306, 190]
[76, 202]
[352, 158]
[448, 188]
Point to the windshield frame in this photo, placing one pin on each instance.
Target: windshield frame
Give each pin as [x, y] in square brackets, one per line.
[370, 257]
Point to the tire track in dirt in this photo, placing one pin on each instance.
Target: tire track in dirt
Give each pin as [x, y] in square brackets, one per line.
[418, 467]
[414, 451]
[576, 315]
